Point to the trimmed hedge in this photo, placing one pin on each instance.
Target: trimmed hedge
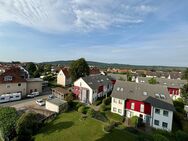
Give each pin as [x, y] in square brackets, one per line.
[102, 108]
[91, 112]
[114, 117]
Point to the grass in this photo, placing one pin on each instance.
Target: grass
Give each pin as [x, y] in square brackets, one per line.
[69, 126]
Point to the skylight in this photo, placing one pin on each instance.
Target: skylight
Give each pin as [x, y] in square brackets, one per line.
[145, 93]
[163, 96]
[118, 88]
[157, 95]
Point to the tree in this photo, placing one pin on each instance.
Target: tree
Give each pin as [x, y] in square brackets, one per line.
[152, 81]
[184, 91]
[26, 126]
[47, 67]
[8, 118]
[31, 68]
[79, 68]
[185, 74]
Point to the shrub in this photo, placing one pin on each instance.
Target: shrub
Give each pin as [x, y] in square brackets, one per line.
[91, 112]
[181, 136]
[159, 137]
[114, 117]
[102, 108]
[106, 101]
[109, 127]
[100, 116]
[97, 102]
[179, 106]
[132, 130]
[134, 121]
[78, 105]
[81, 109]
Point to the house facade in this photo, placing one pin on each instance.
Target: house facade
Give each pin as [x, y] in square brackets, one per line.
[14, 84]
[63, 77]
[88, 89]
[174, 85]
[151, 103]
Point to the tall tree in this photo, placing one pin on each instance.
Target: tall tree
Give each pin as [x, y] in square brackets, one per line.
[185, 74]
[31, 68]
[152, 81]
[79, 68]
[8, 118]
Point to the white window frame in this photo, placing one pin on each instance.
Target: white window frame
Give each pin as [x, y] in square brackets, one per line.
[165, 114]
[114, 109]
[158, 122]
[132, 106]
[114, 100]
[119, 111]
[142, 108]
[120, 101]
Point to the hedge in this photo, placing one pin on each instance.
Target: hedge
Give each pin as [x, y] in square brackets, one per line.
[114, 117]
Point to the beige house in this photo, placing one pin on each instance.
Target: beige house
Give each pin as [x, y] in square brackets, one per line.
[14, 86]
[63, 77]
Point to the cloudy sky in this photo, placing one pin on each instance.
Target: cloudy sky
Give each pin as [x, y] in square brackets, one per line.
[140, 32]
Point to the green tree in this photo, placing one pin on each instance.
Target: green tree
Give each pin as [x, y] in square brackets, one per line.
[8, 118]
[26, 126]
[47, 67]
[31, 68]
[152, 81]
[184, 91]
[79, 68]
[185, 74]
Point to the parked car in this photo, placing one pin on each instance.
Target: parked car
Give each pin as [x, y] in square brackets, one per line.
[40, 102]
[50, 96]
[33, 94]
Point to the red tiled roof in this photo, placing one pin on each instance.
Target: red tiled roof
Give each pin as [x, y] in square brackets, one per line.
[15, 73]
[66, 72]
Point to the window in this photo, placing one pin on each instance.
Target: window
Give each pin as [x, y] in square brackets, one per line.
[119, 111]
[132, 106]
[156, 122]
[142, 108]
[115, 100]
[114, 109]
[11, 96]
[8, 78]
[165, 125]
[120, 101]
[157, 111]
[2, 98]
[165, 113]
[19, 84]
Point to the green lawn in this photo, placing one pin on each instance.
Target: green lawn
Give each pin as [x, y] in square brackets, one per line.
[69, 127]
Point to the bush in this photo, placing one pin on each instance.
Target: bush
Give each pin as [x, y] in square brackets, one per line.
[97, 102]
[181, 136]
[100, 116]
[27, 125]
[109, 127]
[179, 106]
[159, 137]
[114, 117]
[91, 112]
[78, 105]
[82, 109]
[134, 121]
[102, 108]
[132, 130]
[106, 101]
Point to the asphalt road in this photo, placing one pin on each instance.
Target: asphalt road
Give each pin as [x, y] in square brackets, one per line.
[26, 101]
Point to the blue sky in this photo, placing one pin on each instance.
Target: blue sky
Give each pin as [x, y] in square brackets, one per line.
[140, 32]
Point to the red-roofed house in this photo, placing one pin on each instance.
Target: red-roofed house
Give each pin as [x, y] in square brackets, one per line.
[63, 77]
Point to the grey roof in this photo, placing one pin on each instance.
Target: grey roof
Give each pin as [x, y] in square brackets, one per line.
[34, 80]
[97, 80]
[118, 76]
[56, 101]
[172, 83]
[143, 92]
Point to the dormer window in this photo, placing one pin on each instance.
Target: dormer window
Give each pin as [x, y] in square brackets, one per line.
[8, 78]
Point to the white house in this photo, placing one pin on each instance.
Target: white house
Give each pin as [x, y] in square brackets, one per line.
[63, 77]
[89, 88]
[151, 103]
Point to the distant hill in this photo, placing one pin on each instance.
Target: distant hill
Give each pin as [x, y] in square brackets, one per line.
[116, 65]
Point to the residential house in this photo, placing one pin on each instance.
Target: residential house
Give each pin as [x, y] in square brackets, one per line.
[174, 85]
[63, 77]
[60, 92]
[89, 88]
[151, 103]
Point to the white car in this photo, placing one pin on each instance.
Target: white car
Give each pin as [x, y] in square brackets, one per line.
[33, 94]
[40, 102]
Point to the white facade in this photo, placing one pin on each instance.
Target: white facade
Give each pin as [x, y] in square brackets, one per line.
[117, 106]
[52, 107]
[62, 80]
[162, 120]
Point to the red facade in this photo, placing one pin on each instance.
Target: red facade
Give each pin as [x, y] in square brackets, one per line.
[100, 89]
[147, 106]
[173, 91]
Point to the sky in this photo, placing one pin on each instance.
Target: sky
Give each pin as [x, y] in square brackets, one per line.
[137, 32]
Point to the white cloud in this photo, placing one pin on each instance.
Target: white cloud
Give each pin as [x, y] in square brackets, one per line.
[73, 15]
